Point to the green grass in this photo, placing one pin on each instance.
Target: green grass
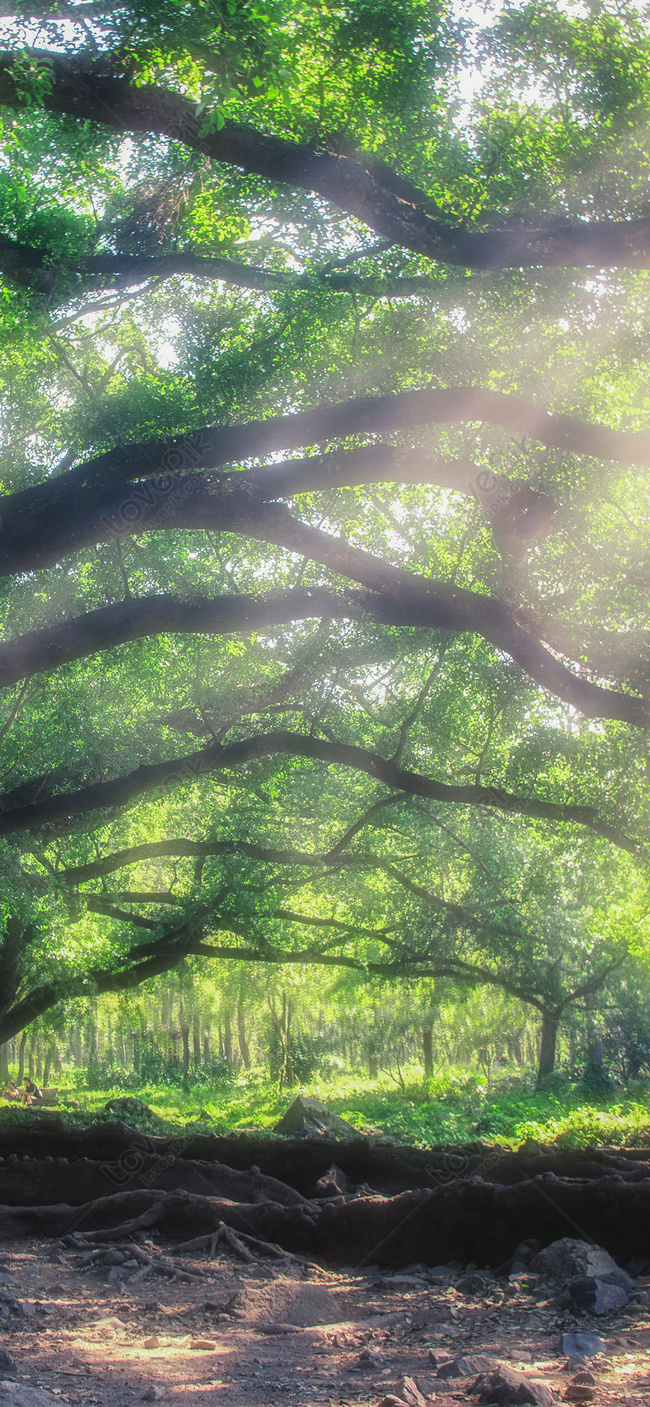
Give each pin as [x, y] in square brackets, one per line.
[452, 1108]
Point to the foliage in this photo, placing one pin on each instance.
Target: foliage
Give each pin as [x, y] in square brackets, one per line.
[417, 908]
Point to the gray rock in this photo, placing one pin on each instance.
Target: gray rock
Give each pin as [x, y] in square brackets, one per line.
[582, 1345]
[370, 1359]
[19, 1395]
[596, 1296]
[507, 1388]
[571, 1259]
[308, 1118]
[7, 1364]
[476, 1283]
[468, 1367]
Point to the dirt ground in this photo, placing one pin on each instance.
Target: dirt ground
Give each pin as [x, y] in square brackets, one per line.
[88, 1338]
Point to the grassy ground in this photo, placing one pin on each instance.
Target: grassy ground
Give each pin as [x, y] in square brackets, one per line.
[454, 1107]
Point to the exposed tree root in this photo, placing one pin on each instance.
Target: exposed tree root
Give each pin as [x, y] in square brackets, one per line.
[467, 1219]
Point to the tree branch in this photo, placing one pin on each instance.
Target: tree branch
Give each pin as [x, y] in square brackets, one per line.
[85, 91]
[193, 766]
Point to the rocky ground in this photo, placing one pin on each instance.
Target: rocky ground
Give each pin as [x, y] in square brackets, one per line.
[261, 1334]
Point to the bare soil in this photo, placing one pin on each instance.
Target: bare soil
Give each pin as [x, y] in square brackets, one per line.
[88, 1338]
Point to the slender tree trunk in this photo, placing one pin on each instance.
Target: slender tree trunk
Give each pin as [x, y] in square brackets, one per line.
[21, 1057]
[4, 1062]
[185, 1033]
[196, 1038]
[547, 1047]
[206, 1046]
[241, 1031]
[427, 1047]
[49, 1058]
[39, 1057]
[227, 1036]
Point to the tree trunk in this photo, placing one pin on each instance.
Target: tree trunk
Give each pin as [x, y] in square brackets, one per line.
[21, 1057]
[206, 1047]
[196, 1038]
[547, 1047]
[39, 1057]
[49, 1060]
[185, 1033]
[241, 1032]
[427, 1048]
[4, 1062]
[227, 1036]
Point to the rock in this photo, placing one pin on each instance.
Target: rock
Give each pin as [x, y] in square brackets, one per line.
[19, 1395]
[308, 1118]
[409, 1392]
[124, 1105]
[596, 1296]
[570, 1259]
[507, 1388]
[391, 1401]
[475, 1283]
[468, 1367]
[333, 1183]
[113, 1257]
[153, 1394]
[400, 1282]
[203, 1343]
[582, 1345]
[152, 1342]
[585, 1379]
[577, 1393]
[7, 1364]
[370, 1359]
[523, 1255]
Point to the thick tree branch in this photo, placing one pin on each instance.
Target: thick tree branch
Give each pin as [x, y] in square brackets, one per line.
[177, 771]
[33, 267]
[80, 89]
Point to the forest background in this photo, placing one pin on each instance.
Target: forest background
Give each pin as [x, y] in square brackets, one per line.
[320, 764]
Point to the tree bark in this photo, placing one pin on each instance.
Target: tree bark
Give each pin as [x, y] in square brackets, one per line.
[427, 1048]
[21, 1057]
[548, 1044]
[363, 188]
[227, 1036]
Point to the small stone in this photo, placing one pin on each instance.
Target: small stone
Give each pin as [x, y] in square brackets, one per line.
[391, 1401]
[153, 1394]
[7, 1364]
[468, 1367]
[475, 1283]
[114, 1257]
[203, 1343]
[582, 1345]
[507, 1388]
[152, 1342]
[584, 1379]
[577, 1393]
[370, 1359]
[59, 1289]
[409, 1392]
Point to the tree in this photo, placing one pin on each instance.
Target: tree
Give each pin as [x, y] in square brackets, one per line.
[381, 707]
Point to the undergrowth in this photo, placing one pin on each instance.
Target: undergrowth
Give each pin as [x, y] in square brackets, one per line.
[454, 1107]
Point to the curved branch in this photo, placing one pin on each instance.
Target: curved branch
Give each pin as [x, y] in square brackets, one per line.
[192, 766]
[368, 190]
[99, 500]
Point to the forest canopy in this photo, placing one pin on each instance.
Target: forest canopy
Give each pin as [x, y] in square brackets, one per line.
[324, 509]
